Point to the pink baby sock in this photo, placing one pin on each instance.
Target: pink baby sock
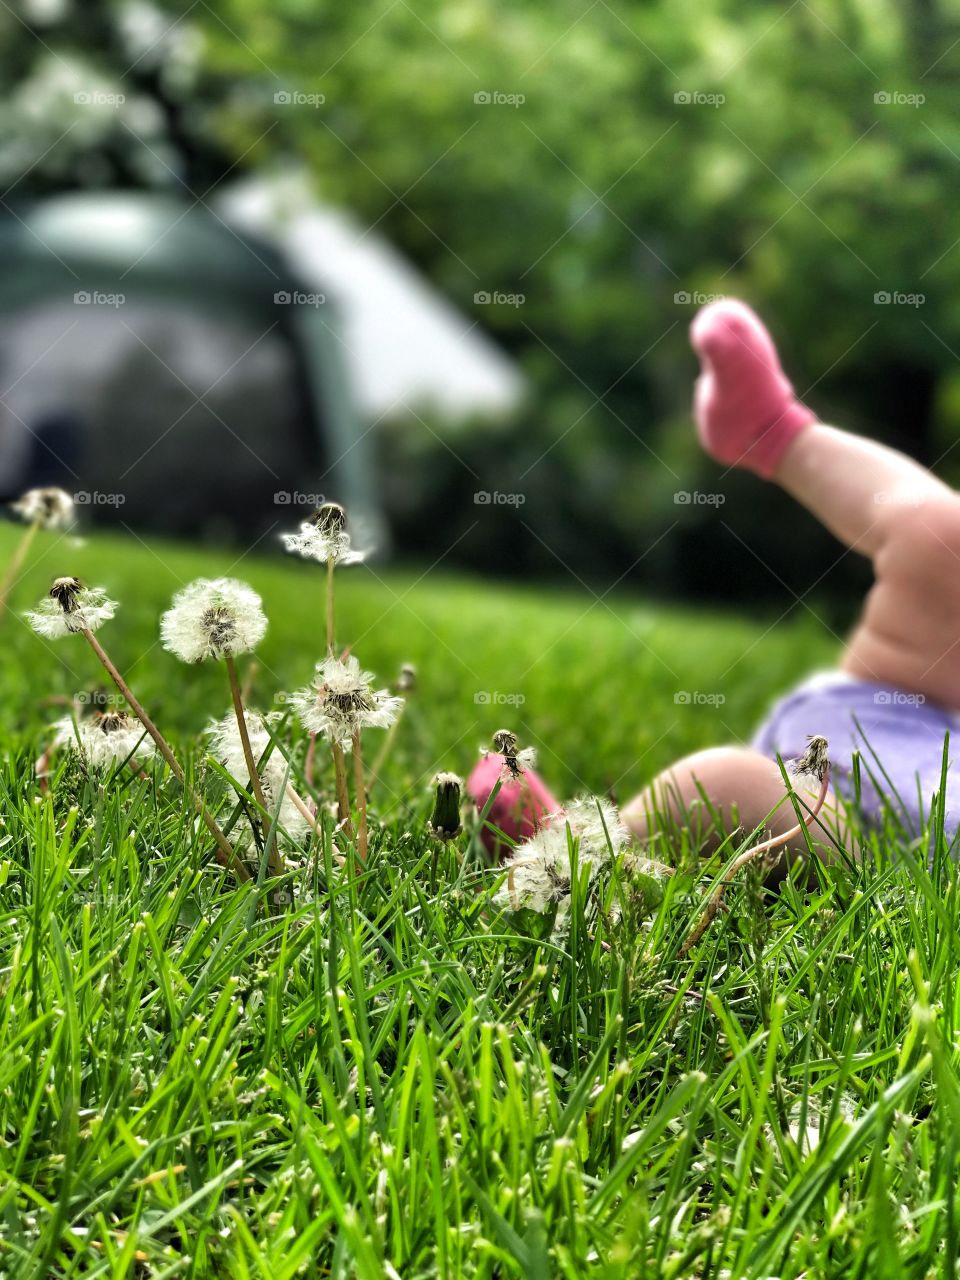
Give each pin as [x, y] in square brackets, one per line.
[518, 808]
[744, 405]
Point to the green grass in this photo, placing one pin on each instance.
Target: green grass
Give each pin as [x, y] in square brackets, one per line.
[390, 1080]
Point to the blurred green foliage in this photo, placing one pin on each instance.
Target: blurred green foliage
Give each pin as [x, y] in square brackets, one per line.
[640, 155]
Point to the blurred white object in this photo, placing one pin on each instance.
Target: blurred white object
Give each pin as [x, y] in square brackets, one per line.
[406, 347]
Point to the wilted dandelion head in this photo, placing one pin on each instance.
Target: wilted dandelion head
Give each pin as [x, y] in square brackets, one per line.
[515, 761]
[71, 607]
[213, 618]
[324, 538]
[815, 760]
[105, 739]
[47, 508]
[342, 701]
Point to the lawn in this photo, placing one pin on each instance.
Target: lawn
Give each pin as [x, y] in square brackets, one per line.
[392, 1078]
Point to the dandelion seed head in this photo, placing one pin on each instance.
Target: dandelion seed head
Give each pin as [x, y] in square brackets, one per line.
[538, 873]
[342, 701]
[71, 607]
[227, 746]
[48, 508]
[105, 739]
[213, 618]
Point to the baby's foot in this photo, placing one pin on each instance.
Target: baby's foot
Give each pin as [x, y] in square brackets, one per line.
[744, 405]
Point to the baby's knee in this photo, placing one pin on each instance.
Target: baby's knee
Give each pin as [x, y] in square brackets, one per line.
[711, 780]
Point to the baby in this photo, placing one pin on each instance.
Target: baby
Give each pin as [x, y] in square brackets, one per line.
[896, 690]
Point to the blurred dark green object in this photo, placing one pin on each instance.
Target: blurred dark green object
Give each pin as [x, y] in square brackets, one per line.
[612, 164]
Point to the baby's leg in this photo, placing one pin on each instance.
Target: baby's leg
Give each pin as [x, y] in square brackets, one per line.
[742, 788]
[877, 501]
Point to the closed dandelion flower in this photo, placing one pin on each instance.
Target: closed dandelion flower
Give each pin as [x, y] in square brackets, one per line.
[342, 702]
[227, 746]
[213, 618]
[324, 538]
[445, 822]
[71, 607]
[105, 739]
[45, 508]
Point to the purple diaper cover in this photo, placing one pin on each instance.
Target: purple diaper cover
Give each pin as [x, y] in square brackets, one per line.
[899, 736]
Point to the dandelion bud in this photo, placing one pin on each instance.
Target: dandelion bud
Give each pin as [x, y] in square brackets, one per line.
[815, 759]
[407, 679]
[70, 607]
[446, 808]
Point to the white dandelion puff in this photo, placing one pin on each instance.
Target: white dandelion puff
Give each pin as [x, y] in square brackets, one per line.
[324, 538]
[46, 508]
[342, 701]
[227, 746]
[213, 618]
[539, 873]
[71, 607]
[105, 739]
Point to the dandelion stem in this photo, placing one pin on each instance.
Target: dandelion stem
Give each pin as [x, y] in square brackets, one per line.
[311, 818]
[361, 792]
[331, 565]
[713, 906]
[343, 796]
[226, 855]
[273, 857]
[16, 562]
[310, 761]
